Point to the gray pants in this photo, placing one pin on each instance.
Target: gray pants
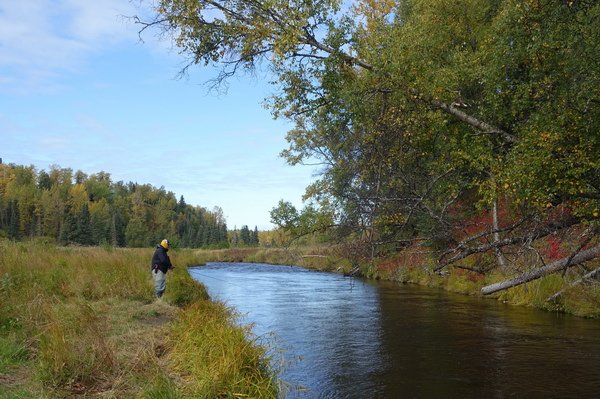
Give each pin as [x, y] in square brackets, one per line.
[160, 282]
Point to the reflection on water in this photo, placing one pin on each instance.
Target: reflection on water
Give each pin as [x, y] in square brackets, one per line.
[348, 338]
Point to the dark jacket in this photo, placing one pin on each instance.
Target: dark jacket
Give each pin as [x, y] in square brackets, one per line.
[160, 260]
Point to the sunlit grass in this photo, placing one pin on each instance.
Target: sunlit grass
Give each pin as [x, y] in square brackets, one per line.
[214, 356]
[84, 322]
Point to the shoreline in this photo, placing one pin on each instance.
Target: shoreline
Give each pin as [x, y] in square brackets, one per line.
[582, 301]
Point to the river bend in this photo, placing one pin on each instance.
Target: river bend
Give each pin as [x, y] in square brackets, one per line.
[342, 337]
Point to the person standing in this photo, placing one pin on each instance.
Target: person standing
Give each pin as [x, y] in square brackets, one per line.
[161, 264]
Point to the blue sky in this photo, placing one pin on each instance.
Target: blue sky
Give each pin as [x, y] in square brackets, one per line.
[79, 90]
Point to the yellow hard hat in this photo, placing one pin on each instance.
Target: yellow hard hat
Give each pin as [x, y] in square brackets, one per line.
[165, 243]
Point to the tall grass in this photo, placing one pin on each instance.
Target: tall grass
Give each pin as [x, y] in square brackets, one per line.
[84, 321]
[215, 358]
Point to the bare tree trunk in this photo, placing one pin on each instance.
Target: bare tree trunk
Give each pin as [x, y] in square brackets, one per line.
[587, 276]
[581, 257]
[499, 255]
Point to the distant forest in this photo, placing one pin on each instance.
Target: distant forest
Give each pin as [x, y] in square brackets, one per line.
[74, 208]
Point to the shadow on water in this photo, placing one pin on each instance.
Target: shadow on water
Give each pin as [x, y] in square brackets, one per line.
[348, 338]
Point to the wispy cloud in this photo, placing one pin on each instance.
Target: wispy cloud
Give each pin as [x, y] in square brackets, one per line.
[42, 39]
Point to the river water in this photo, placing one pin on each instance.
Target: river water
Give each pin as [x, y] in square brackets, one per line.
[343, 337]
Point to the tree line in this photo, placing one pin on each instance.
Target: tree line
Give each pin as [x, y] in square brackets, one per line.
[459, 127]
[244, 237]
[74, 208]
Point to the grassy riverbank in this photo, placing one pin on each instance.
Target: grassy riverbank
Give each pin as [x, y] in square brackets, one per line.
[417, 268]
[82, 322]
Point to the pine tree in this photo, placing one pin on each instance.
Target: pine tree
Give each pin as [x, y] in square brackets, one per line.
[83, 230]
[181, 205]
[117, 230]
[214, 235]
[245, 235]
[14, 231]
[68, 227]
[223, 239]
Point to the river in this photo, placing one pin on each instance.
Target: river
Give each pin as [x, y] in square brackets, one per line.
[343, 337]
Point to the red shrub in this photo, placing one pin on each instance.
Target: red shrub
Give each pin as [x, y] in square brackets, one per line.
[553, 250]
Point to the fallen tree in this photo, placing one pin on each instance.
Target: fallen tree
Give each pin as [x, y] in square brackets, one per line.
[553, 267]
[591, 275]
[529, 234]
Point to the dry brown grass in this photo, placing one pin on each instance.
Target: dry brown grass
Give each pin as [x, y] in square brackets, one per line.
[83, 322]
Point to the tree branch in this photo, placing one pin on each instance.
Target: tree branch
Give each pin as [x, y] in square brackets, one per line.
[542, 232]
[588, 276]
[553, 267]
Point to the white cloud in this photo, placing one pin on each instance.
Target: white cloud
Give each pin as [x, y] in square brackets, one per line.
[42, 39]
[95, 21]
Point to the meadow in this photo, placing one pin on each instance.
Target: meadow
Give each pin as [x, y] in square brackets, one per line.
[83, 322]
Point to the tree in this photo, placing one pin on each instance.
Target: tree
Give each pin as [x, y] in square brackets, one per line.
[235, 237]
[80, 177]
[83, 229]
[136, 233]
[13, 220]
[423, 113]
[98, 186]
[181, 205]
[44, 182]
[117, 230]
[285, 215]
[245, 235]
[95, 210]
[68, 227]
[52, 210]
[100, 222]
[309, 221]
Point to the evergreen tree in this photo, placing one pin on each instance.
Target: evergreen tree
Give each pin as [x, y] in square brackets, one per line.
[223, 239]
[44, 182]
[14, 230]
[245, 235]
[88, 210]
[214, 235]
[181, 205]
[83, 230]
[68, 227]
[80, 177]
[117, 230]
